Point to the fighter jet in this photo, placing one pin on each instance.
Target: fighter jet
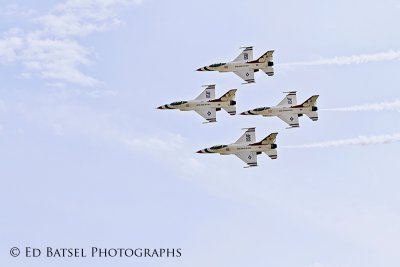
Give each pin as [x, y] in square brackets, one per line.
[288, 110]
[206, 105]
[244, 66]
[246, 148]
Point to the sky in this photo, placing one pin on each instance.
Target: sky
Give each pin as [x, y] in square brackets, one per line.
[86, 159]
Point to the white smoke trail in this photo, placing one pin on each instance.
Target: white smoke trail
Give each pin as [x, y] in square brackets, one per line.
[395, 105]
[361, 140]
[346, 60]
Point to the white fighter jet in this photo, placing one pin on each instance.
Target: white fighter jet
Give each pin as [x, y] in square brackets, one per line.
[244, 66]
[288, 110]
[246, 148]
[206, 105]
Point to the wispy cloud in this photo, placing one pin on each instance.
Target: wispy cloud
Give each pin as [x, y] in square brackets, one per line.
[58, 60]
[154, 144]
[347, 60]
[82, 17]
[361, 140]
[108, 128]
[10, 45]
[394, 105]
[16, 11]
[52, 50]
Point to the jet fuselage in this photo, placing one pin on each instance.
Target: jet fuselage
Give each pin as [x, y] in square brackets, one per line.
[237, 148]
[238, 66]
[193, 105]
[276, 111]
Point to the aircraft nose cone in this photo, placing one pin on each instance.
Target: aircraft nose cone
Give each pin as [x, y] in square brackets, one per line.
[160, 107]
[199, 69]
[200, 151]
[244, 113]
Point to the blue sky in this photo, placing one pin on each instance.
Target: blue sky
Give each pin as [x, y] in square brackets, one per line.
[88, 160]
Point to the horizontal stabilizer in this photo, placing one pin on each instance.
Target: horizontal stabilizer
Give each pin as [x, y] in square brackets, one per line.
[273, 153]
[313, 115]
[269, 71]
[231, 110]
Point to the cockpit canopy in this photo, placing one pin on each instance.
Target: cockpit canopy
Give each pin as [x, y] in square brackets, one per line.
[217, 65]
[218, 146]
[178, 103]
[261, 109]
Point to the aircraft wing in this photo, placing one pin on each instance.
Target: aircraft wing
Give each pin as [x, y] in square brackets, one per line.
[249, 157]
[208, 93]
[246, 74]
[291, 119]
[208, 113]
[289, 100]
[246, 55]
[248, 137]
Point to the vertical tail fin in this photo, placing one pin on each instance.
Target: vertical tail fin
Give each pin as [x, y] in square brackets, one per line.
[266, 57]
[230, 95]
[311, 101]
[270, 139]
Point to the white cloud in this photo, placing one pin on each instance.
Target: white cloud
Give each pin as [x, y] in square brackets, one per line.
[57, 60]
[169, 143]
[15, 10]
[109, 128]
[10, 45]
[394, 105]
[361, 140]
[179, 155]
[69, 92]
[82, 17]
[347, 60]
[50, 50]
